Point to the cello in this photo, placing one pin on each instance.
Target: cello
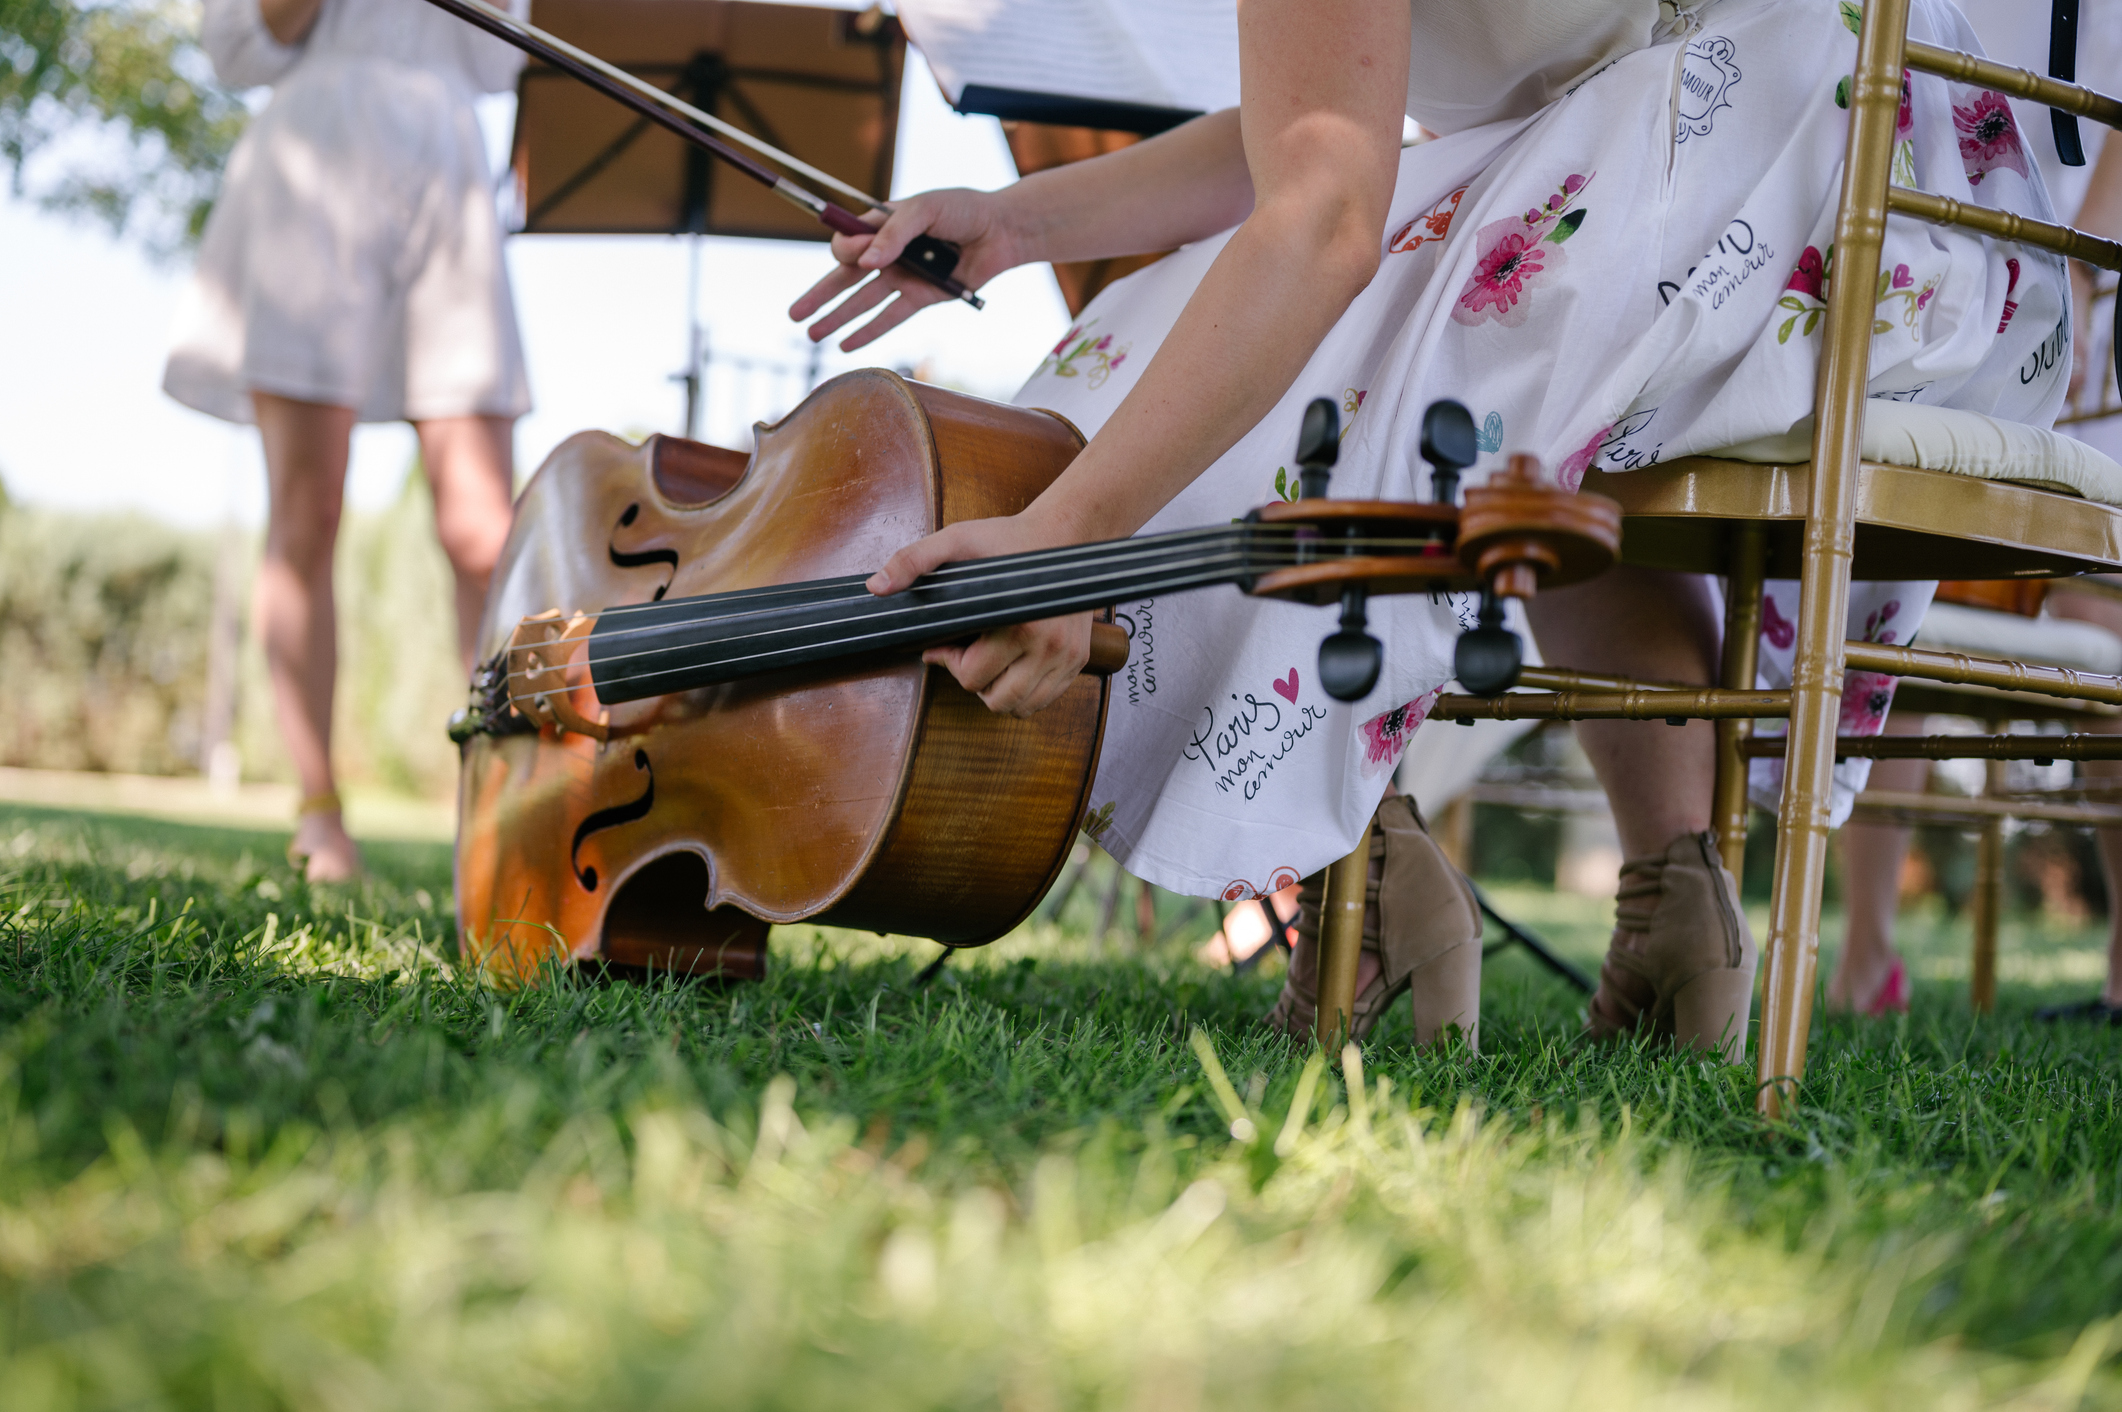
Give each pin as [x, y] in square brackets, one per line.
[692, 721]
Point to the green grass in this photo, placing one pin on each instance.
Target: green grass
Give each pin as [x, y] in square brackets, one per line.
[263, 1146]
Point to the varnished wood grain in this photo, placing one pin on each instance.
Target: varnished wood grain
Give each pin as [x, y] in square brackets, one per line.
[885, 798]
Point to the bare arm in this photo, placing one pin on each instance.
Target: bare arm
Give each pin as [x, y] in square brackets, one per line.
[289, 21]
[1324, 83]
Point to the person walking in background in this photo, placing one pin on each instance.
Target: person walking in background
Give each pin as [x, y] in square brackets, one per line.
[1870, 977]
[352, 271]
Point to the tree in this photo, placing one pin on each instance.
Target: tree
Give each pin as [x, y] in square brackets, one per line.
[117, 106]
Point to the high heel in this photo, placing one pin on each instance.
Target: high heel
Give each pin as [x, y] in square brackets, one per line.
[1420, 920]
[1682, 958]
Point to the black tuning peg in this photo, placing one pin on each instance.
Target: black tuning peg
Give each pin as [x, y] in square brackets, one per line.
[1318, 446]
[1350, 660]
[1486, 657]
[1449, 445]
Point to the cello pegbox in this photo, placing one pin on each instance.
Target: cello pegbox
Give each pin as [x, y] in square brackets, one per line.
[545, 670]
[1521, 532]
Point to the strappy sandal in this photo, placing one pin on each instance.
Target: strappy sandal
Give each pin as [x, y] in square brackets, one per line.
[1681, 963]
[1420, 920]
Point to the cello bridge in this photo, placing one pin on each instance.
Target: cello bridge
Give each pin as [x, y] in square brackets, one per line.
[545, 671]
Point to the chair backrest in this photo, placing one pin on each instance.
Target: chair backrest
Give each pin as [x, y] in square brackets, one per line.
[1869, 195]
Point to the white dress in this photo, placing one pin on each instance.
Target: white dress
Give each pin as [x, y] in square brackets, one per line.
[354, 255]
[1619, 261]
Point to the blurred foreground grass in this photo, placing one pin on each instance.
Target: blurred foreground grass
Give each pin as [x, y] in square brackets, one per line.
[264, 1146]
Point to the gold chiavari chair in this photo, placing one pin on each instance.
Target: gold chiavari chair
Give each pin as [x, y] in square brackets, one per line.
[1918, 493]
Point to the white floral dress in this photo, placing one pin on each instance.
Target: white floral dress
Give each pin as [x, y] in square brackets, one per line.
[1634, 271]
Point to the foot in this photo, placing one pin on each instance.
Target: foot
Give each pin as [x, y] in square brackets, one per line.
[1421, 935]
[2085, 1012]
[323, 849]
[1878, 986]
[1681, 963]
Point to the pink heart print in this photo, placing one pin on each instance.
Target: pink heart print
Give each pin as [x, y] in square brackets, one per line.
[1287, 689]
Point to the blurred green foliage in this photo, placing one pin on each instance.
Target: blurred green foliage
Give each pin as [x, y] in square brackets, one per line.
[104, 628]
[122, 103]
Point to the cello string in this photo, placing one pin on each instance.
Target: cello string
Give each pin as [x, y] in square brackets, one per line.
[951, 615]
[954, 571]
[954, 616]
[732, 604]
[853, 643]
[1031, 558]
[1001, 571]
[1231, 562]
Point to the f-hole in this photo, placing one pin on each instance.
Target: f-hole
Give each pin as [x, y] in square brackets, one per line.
[623, 560]
[659, 923]
[610, 819]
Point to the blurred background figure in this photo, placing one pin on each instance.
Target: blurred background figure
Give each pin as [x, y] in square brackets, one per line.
[1870, 976]
[352, 272]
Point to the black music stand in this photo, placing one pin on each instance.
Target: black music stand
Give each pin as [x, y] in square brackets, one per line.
[820, 84]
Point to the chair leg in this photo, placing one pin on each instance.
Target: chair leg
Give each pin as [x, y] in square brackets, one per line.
[1987, 904]
[1341, 942]
[1830, 540]
[1742, 644]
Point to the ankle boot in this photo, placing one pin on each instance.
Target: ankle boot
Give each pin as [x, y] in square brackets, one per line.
[1681, 962]
[1421, 921]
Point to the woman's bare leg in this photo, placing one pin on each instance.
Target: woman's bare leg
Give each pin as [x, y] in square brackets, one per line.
[470, 465]
[1872, 855]
[292, 609]
[1655, 626]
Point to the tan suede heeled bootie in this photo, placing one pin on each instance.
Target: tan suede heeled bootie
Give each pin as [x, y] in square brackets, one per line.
[1682, 958]
[1420, 920]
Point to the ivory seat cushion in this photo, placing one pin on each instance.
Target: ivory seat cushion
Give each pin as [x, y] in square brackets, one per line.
[1964, 443]
[2052, 642]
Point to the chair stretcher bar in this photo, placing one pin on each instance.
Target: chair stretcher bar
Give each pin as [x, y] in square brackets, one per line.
[1945, 211]
[2020, 83]
[1877, 804]
[2042, 749]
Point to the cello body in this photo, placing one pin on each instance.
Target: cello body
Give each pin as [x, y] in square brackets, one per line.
[878, 795]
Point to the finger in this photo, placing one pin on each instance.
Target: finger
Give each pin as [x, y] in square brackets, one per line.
[910, 302]
[1049, 689]
[831, 287]
[890, 242]
[915, 560]
[1009, 692]
[987, 660]
[868, 297]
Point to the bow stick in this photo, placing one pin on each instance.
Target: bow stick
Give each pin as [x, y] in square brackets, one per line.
[926, 256]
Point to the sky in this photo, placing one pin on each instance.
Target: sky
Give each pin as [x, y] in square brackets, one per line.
[85, 319]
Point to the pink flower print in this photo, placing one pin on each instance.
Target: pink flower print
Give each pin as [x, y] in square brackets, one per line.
[1875, 624]
[1779, 630]
[1905, 121]
[1079, 355]
[1508, 261]
[1925, 297]
[1385, 736]
[1866, 698]
[1573, 184]
[1989, 137]
[1902, 278]
[2011, 305]
[1571, 472]
[1810, 278]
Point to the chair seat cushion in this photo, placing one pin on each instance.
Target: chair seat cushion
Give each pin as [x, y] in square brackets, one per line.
[1964, 443]
[2052, 642]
